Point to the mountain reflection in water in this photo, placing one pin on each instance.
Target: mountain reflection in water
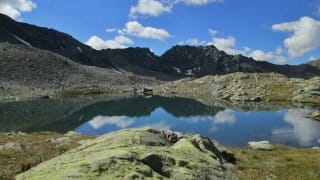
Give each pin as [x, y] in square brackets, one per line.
[231, 127]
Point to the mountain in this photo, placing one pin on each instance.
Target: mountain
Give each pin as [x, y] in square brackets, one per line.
[177, 62]
[137, 60]
[208, 60]
[140, 61]
[48, 39]
[38, 68]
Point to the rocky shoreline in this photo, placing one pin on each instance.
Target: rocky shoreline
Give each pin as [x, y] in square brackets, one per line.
[246, 87]
[235, 87]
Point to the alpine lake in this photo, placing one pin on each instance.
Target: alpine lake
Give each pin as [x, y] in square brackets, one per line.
[233, 125]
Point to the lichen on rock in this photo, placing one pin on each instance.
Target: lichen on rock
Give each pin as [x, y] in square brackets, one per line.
[139, 154]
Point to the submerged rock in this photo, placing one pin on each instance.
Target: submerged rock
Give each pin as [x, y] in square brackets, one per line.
[138, 154]
[261, 145]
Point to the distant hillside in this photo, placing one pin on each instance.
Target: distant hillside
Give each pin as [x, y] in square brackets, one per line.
[177, 62]
[34, 67]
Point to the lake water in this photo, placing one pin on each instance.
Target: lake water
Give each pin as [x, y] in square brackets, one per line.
[230, 125]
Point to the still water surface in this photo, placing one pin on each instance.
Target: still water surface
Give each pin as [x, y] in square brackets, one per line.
[230, 127]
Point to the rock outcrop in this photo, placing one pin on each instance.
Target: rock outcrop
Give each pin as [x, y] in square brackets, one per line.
[244, 87]
[139, 154]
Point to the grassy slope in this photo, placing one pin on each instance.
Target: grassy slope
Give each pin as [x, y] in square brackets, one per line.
[281, 163]
[37, 150]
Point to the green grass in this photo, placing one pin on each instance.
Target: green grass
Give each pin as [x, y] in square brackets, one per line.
[281, 163]
[37, 150]
[280, 92]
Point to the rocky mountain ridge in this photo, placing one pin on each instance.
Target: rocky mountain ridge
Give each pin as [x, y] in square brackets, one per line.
[208, 60]
[177, 62]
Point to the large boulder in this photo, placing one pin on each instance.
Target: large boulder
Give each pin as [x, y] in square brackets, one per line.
[139, 154]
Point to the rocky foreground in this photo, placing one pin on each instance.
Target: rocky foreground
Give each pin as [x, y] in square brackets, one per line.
[21, 151]
[140, 154]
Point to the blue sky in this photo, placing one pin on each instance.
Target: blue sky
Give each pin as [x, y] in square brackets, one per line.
[284, 31]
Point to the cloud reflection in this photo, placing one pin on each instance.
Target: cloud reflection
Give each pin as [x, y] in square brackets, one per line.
[225, 117]
[304, 130]
[119, 121]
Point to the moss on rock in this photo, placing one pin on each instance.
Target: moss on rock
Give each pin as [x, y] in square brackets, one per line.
[138, 153]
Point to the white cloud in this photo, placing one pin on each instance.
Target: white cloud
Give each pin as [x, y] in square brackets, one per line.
[247, 50]
[312, 58]
[279, 50]
[149, 7]
[192, 42]
[136, 29]
[225, 44]
[119, 121]
[110, 30]
[14, 8]
[196, 119]
[158, 7]
[305, 37]
[199, 2]
[281, 59]
[212, 32]
[260, 55]
[118, 42]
